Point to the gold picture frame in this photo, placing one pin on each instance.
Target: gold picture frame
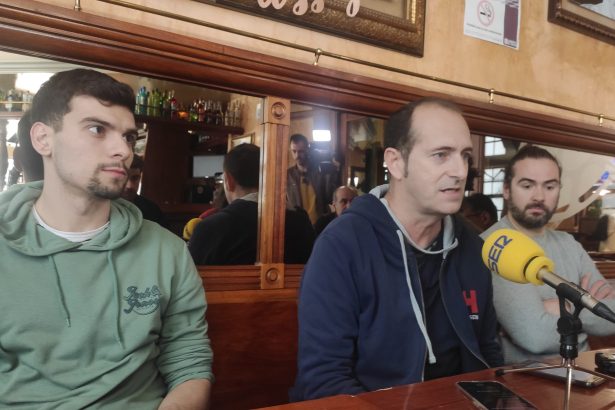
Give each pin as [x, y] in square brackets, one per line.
[235, 140]
[571, 14]
[402, 28]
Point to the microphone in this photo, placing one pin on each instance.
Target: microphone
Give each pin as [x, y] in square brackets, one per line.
[515, 257]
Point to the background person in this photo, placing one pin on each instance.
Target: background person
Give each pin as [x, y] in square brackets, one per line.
[230, 236]
[528, 313]
[306, 186]
[149, 209]
[342, 197]
[479, 210]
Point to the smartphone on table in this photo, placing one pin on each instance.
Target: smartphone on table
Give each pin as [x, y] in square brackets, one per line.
[579, 378]
[492, 395]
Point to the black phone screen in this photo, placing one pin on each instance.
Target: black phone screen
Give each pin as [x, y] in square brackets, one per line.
[492, 395]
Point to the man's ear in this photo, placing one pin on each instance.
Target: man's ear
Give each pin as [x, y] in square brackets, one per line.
[506, 191]
[40, 136]
[229, 182]
[395, 163]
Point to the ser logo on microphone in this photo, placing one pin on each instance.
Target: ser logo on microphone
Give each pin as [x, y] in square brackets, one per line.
[496, 251]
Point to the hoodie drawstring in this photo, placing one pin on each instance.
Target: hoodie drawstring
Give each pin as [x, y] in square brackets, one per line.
[60, 292]
[415, 305]
[116, 298]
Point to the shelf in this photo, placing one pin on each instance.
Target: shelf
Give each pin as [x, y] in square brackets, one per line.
[189, 126]
[11, 115]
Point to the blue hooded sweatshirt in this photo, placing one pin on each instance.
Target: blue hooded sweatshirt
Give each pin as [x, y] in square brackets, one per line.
[361, 315]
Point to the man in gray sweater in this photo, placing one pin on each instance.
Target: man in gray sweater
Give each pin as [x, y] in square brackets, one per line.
[527, 313]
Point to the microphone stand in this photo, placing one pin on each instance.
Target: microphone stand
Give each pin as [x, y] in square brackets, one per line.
[568, 326]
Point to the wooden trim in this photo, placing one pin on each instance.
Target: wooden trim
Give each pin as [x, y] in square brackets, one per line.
[607, 268]
[251, 296]
[44, 30]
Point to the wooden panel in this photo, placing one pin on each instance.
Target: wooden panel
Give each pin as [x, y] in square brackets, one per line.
[255, 351]
[226, 278]
[607, 268]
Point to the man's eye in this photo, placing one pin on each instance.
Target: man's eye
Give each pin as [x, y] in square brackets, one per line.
[97, 129]
[130, 138]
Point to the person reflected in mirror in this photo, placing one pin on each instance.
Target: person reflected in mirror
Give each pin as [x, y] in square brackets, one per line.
[148, 208]
[527, 313]
[306, 186]
[4, 155]
[218, 202]
[101, 308]
[342, 197]
[229, 237]
[25, 158]
[395, 291]
[479, 210]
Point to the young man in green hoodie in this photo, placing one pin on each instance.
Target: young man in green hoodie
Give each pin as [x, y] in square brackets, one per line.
[101, 309]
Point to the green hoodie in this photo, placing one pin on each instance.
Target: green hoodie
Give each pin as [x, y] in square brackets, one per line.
[113, 322]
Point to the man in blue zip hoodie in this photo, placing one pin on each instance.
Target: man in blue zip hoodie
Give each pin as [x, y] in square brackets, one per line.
[101, 309]
[395, 291]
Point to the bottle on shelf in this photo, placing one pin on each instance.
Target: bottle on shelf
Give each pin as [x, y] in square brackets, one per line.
[174, 107]
[202, 110]
[142, 98]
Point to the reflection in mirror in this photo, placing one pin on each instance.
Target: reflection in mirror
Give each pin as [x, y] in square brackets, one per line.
[332, 158]
[587, 187]
[184, 133]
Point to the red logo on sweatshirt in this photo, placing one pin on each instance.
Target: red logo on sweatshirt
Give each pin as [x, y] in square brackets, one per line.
[471, 302]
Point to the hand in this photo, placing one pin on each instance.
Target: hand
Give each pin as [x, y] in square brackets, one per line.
[600, 289]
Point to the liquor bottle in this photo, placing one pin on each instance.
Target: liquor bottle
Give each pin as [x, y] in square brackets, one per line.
[194, 116]
[142, 97]
[10, 97]
[173, 104]
[219, 120]
[209, 115]
[201, 110]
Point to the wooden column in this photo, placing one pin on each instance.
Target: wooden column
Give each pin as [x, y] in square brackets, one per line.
[272, 198]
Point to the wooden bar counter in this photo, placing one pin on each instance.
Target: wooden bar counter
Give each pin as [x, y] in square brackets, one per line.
[444, 394]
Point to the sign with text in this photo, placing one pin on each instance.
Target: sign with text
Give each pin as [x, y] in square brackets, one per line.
[496, 21]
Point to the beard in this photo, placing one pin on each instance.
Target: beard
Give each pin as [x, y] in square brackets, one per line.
[529, 221]
[111, 191]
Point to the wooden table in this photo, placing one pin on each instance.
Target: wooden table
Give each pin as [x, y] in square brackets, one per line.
[444, 394]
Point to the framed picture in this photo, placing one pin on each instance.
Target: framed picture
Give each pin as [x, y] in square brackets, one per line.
[394, 24]
[236, 140]
[590, 17]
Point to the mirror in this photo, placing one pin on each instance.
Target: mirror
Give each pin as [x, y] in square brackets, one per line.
[184, 131]
[352, 147]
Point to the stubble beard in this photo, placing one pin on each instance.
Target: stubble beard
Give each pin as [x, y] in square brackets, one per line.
[527, 221]
[111, 191]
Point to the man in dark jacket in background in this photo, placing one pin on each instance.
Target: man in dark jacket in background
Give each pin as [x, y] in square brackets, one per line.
[229, 236]
[395, 291]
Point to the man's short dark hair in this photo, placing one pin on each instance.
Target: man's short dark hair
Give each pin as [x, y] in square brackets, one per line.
[482, 203]
[243, 164]
[31, 160]
[52, 101]
[399, 133]
[297, 138]
[137, 162]
[528, 151]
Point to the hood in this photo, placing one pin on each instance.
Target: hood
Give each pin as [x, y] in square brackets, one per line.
[19, 229]
[386, 224]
